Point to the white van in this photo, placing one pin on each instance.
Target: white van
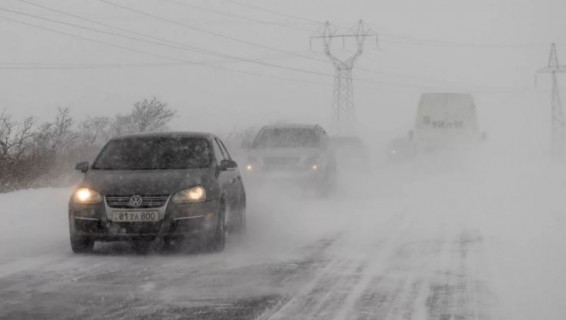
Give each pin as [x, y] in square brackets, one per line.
[446, 121]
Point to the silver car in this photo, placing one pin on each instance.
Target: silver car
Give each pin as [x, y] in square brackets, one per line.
[292, 153]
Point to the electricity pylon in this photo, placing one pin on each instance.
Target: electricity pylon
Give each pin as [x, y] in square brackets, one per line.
[343, 108]
[558, 125]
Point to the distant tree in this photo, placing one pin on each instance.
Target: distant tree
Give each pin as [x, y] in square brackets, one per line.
[14, 144]
[34, 155]
[14, 137]
[147, 115]
[93, 131]
[57, 135]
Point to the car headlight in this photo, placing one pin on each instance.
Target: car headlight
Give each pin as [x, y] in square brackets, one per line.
[86, 196]
[251, 165]
[191, 195]
[314, 163]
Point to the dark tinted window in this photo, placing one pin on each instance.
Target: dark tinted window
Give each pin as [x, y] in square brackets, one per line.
[288, 138]
[153, 153]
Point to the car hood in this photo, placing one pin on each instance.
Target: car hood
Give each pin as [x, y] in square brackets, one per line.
[285, 152]
[146, 182]
[284, 157]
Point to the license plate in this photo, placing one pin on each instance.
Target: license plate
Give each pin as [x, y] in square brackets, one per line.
[135, 216]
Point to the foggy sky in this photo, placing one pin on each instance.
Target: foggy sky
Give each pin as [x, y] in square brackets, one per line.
[489, 48]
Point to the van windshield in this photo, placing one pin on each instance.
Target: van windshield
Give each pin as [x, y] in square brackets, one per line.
[288, 138]
[154, 153]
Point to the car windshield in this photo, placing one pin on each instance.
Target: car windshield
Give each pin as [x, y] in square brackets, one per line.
[154, 153]
[288, 138]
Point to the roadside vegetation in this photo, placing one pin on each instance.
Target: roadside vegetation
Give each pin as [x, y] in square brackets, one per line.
[36, 153]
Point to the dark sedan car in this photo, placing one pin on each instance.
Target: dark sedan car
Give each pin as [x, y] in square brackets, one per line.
[168, 186]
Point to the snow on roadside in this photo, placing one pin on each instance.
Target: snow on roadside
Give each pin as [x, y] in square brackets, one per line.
[33, 225]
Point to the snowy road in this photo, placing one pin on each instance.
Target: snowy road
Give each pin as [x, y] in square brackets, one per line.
[414, 242]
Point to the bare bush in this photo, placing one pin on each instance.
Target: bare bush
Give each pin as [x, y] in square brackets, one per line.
[14, 144]
[36, 155]
[94, 131]
[14, 136]
[147, 115]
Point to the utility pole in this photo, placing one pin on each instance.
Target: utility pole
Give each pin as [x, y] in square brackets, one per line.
[558, 125]
[343, 109]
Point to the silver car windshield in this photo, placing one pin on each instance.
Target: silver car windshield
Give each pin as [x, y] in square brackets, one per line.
[154, 153]
[288, 138]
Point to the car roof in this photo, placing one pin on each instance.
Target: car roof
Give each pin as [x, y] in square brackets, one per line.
[292, 126]
[346, 138]
[168, 134]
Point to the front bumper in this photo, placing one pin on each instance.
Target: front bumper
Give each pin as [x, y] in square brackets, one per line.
[176, 220]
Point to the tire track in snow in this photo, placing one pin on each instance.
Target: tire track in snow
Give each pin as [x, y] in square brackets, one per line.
[436, 278]
[332, 289]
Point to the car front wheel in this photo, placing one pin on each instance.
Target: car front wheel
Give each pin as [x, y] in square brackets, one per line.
[238, 225]
[217, 240]
[81, 244]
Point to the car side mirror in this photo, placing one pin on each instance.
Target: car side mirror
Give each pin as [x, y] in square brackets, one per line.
[82, 166]
[226, 165]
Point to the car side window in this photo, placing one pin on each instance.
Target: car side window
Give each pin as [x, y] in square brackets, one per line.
[219, 154]
[224, 149]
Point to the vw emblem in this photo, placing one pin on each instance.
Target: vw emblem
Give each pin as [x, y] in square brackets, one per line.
[135, 201]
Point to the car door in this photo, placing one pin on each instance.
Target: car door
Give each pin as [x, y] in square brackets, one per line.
[226, 178]
[237, 184]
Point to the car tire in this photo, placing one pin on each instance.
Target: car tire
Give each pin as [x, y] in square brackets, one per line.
[217, 240]
[239, 225]
[81, 244]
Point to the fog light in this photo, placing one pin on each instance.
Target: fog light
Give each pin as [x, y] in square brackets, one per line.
[314, 167]
[249, 167]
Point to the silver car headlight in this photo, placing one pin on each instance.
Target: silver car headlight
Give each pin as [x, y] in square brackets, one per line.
[191, 195]
[314, 163]
[86, 196]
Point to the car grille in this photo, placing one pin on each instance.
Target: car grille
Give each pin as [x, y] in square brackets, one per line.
[148, 201]
[281, 161]
[138, 228]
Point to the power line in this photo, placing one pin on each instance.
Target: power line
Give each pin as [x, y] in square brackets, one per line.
[75, 16]
[394, 38]
[402, 39]
[225, 36]
[158, 55]
[226, 14]
[91, 20]
[216, 34]
[156, 38]
[81, 66]
[161, 42]
[275, 12]
[186, 48]
[146, 52]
